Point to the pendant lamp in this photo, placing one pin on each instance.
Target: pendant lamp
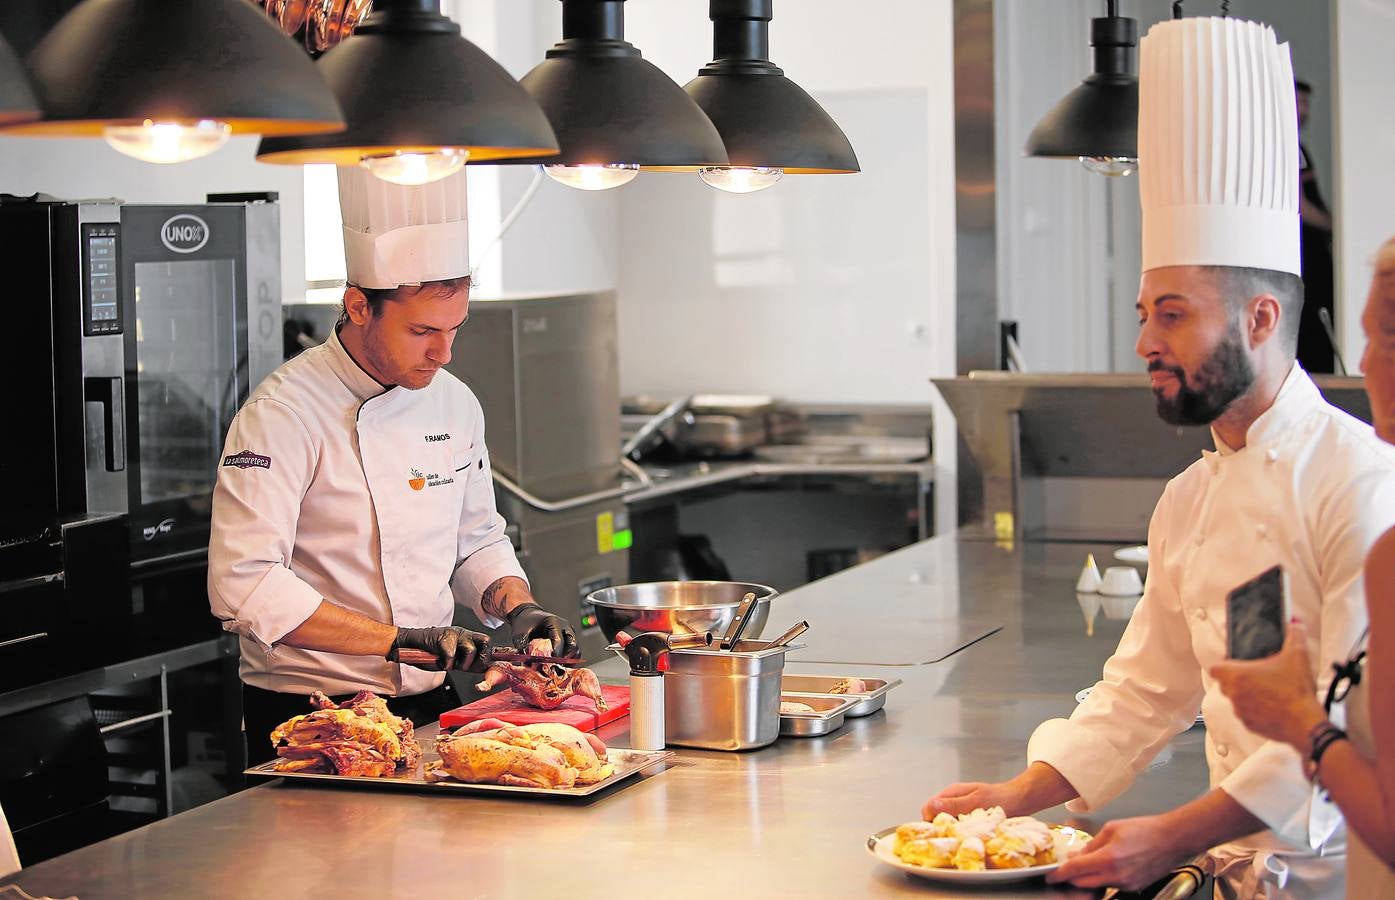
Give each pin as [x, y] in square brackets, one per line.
[1097, 122]
[170, 80]
[769, 125]
[17, 101]
[614, 111]
[419, 100]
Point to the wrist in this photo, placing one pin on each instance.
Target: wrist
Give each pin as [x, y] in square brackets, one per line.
[1042, 786]
[1305, 723]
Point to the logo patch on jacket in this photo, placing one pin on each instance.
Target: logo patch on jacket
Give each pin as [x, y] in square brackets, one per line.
[247, 460]
[430, 479]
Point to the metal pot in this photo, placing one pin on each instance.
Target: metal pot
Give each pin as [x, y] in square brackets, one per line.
[678, 607]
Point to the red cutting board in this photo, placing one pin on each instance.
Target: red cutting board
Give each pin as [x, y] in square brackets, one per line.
[577, 711]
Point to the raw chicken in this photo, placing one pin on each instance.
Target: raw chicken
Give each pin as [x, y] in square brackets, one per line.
[546, 686]
[583, 752]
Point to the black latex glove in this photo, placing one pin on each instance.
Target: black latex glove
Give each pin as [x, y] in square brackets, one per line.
[454, 648]
[530, 622]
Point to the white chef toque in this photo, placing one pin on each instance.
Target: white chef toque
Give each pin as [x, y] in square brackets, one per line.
[403, 234]
[1217, 146]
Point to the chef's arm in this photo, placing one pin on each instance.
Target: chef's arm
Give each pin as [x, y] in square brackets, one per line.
[334, 629]
[1210, 820]
[505, 595]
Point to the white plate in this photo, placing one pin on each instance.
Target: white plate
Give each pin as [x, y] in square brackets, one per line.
[882, 847]
[1137, 554]
[1081, 694]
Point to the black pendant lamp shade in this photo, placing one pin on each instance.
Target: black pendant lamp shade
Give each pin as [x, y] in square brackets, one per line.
[409, 82]
[121, 62]
[1099, 119]
[765, 119]
[611, 106]
[17, 101]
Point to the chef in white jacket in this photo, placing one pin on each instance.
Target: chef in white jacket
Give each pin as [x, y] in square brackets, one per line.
[1292, 481]
[354, 506]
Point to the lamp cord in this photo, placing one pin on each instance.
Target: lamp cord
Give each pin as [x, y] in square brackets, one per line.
[513, 215]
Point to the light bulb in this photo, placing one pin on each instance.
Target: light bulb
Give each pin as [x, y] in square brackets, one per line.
[741, 179]
[404, 167]
[593, 178]
[1113, 166]
[168, 142]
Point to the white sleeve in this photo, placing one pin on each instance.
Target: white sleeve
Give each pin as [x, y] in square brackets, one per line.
[483, 549]
[1270, 782]
[268, 460]
[1150, 693]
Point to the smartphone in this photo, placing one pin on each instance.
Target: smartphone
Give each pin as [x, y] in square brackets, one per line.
[1255, 615]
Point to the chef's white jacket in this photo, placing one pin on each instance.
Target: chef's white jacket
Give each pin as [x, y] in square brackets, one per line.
[1311, 490]
[380, 501]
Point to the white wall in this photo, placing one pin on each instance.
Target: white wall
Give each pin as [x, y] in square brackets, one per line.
[1365, 170]
[86, 168]
[824, 288]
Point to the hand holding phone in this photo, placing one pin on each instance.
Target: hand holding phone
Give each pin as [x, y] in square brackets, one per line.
[1255, 615]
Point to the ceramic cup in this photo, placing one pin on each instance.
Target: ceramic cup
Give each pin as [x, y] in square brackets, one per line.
[1121, 581]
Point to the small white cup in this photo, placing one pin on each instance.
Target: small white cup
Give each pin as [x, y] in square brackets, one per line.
[1121, 581]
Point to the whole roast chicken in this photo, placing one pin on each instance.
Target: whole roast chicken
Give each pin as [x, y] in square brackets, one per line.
[550, 755]
[544, 685]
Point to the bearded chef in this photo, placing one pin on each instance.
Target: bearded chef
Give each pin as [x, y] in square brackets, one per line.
[354, 506]
[1293, 481]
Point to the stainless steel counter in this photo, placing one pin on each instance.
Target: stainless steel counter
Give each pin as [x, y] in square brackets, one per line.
[789, 820]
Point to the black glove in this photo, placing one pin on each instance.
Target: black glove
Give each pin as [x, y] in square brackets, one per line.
[452, 646]
[530, 622]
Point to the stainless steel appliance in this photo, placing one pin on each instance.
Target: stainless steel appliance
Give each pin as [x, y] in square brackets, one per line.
[199, 302]
[546, 371]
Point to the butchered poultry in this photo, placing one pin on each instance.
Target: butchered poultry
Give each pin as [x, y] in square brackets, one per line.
[547, 755]
[545, 685]
[357, 737]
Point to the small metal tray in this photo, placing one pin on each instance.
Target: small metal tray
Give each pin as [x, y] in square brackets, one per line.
[868, 702]
[626, 762]
[827, 715]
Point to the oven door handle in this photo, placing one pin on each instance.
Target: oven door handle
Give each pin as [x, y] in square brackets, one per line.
[111, 394]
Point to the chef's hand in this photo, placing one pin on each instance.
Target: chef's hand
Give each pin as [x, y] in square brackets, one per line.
[1275, 697]
[530, 622]
[1127, 853]
[1037, 787]
[454, 648]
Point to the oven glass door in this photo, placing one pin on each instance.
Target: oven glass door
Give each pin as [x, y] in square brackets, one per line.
[187, 374]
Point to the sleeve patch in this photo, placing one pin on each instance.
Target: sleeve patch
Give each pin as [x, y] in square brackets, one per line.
[247, 460]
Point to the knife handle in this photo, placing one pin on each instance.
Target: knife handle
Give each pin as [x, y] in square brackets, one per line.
[410, 657]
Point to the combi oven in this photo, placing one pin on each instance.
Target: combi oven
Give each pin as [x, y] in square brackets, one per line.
[145, 327]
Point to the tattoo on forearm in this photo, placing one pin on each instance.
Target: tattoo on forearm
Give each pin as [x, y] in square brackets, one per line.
[492, 601]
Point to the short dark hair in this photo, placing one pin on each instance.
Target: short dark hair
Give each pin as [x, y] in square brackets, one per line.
[1302, 86]
[1239, 284]
[378, 296]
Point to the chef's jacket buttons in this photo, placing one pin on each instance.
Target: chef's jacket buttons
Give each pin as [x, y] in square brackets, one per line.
[1200, 615]
[1222, 750]
[1272, 455]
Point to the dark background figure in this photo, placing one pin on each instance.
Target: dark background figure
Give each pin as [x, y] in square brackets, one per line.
[1315, 351]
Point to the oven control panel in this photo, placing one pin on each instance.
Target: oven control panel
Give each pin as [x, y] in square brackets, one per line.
[101, 308]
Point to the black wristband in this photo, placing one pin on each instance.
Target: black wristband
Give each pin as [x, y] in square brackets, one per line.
[1319, 739]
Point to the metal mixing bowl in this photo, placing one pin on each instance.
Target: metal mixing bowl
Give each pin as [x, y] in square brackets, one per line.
[679, 607]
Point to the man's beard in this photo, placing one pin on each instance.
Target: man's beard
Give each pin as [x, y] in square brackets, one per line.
[1223, 378]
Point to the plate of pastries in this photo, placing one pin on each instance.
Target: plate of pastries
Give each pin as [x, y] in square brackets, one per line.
[983, 846]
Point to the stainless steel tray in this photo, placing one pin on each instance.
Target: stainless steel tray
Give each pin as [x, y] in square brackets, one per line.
[827, 715]
[626, 762]
[867, 703]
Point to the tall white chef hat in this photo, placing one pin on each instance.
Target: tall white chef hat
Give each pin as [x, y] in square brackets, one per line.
[1217, 146]
[403, 234]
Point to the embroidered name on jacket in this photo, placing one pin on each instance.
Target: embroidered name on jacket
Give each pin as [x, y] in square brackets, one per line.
[247, 460]
[433, 438]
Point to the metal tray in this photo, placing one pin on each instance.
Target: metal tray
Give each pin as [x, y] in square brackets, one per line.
[870, 701]
[827, 715]
[626, 762]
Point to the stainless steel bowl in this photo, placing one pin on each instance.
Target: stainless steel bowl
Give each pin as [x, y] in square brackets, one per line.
[679, 607]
